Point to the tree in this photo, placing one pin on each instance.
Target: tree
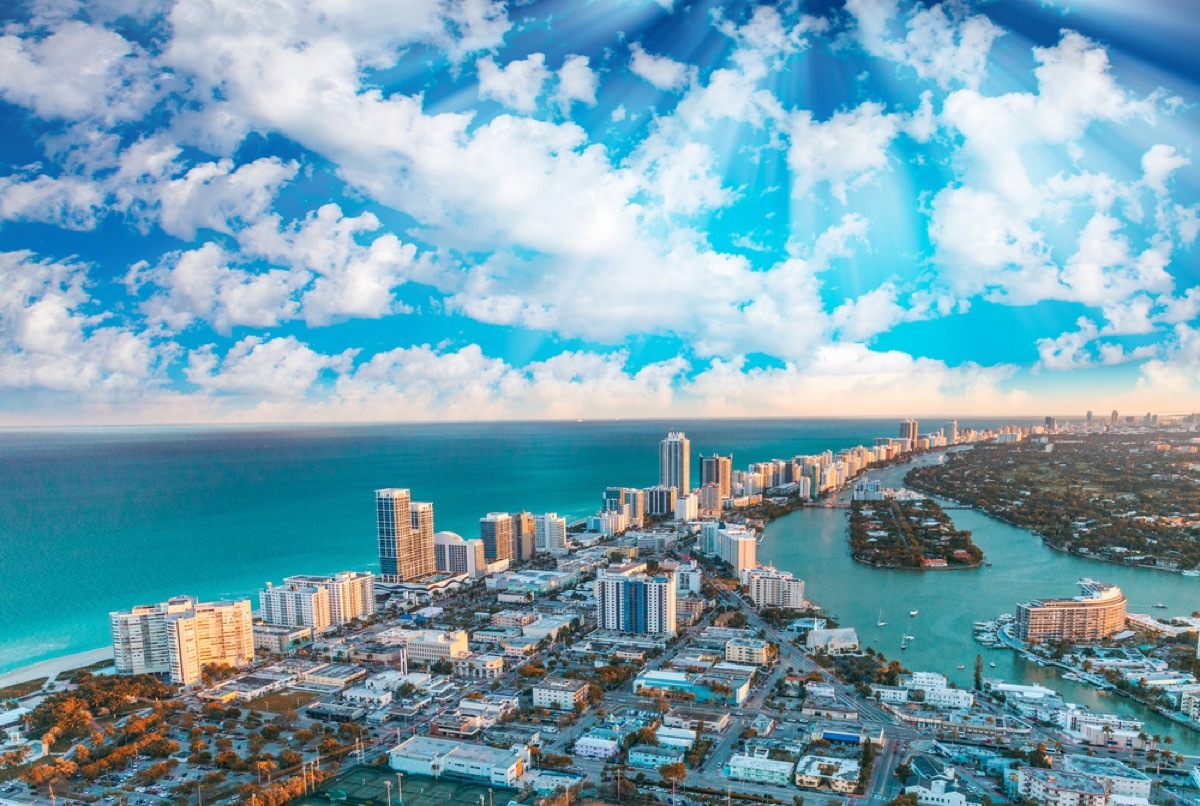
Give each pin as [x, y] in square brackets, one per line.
[979, 672]
[672, 773]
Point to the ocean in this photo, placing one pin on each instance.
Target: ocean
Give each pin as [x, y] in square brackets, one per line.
[102, 519]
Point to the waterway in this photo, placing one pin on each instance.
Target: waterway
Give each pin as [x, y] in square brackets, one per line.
[812, 543]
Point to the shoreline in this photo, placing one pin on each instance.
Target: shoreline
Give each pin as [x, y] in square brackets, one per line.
[52, 667]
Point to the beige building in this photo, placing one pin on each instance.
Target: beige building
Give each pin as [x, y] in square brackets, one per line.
[1098, 613]
[1059, 788]
[423, 647]
[749, 650]
[405, 534]
[210, 634]
[181, 636]
[559, 693]
[771, 588]
[296, 604]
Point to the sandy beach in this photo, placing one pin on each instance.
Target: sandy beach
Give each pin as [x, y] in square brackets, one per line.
[54, 666]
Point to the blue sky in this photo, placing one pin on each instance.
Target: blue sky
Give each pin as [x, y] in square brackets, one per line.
[455, 209]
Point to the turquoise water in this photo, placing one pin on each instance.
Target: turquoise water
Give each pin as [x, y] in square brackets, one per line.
[98, 520]
[812, 544]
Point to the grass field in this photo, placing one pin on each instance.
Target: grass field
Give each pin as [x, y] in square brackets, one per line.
[279, 701]
[366, 786]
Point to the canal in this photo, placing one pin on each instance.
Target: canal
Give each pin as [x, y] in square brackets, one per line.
[812, 544]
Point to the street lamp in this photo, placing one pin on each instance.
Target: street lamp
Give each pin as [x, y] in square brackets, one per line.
[400, 788]
[388, 786]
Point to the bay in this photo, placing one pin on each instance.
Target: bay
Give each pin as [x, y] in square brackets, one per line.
[812, 543]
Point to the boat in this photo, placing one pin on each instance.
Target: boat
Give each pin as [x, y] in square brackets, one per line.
[904, 642]
[911, 637]
[1192, 573]
[881, 622]
[961, 666]
[913, 612]
[1159, 604]
[992, 665]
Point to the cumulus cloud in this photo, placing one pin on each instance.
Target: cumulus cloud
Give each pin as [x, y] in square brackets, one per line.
[517, 85]
[662, 72]
[939, 42]
[577, 83]
[846, 150]
[51, 338]
[279, 368]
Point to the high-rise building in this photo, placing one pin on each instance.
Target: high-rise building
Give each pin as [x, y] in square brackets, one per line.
[1097, 614]
[1051, 425]
[454, 555]
[496, 531]
[908, 430]
[738, 547]
[524, 536]
[181, 636]
[951, 432]
[296, 604]
[405, 532]
[351, 593]
[139, 636]
[635, 602]
[551, 533]
[771, 588]
[717, 470]
[1089, 417]
[675, 462]
[1115, 417]
[660, 500]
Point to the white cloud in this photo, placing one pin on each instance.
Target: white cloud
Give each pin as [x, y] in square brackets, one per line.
[77, 71]
[326, 275]
[940, 42]
[1158, 164]
[876, 311]
[279, 368]
[846, 150]
[517, 85]
[661, 72]
[48, 340]
[217, 196]
[577, 82]
[68, 202]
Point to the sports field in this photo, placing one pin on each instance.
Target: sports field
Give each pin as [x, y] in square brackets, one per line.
[366, 785]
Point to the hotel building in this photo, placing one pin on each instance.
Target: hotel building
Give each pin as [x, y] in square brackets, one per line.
[455, 555]
[635, 602]
[771, 588]
[718, 470]
[675, 462]
[1097, 614]
[181, 636]
[496, 531]
[550, 533]
[296, 604]
[405, 533]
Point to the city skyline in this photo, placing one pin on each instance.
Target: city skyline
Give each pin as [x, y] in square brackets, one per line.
[218, 212]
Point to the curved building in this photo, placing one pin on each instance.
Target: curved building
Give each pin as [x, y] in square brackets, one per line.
[1098, 613]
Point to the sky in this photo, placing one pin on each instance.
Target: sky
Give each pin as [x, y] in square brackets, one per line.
[369, 210]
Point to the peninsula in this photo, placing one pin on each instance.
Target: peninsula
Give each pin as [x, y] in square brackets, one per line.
[909, 533]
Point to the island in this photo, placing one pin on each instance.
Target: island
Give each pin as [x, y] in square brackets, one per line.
[1128, 498]
[909, 533]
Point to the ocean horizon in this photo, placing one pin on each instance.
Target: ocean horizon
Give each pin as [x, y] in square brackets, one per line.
[100, 519]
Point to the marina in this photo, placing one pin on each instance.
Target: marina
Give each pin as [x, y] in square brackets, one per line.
[811, 543]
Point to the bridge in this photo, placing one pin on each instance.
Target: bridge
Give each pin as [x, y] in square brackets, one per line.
[847, 505]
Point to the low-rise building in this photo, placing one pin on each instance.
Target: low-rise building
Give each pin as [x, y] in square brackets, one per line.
[649, 757]
[1059, 788]
[693, 687]
[832, 642]
[827, 772]
[750, 650]
[425, 755]
[760, 770]
[424, 647]
[559, 693]
[1118, 778]
[279, 640]
[699, 721]
[480, 667]
[597, 747]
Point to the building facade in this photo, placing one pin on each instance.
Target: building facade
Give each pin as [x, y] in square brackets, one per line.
[1097, 614]
[675, 462]
[635, 603]
[771, 588]
[210, 634]
[559, 693]
[296, 604]
[454, 555]
[550, 533]
[405, 535]
[496, 532]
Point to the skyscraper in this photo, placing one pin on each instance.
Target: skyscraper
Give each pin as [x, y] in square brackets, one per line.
[675, 462]
[405, 533]
[635, 603]
[181, 636]
[496, 531]
[524, 532]
[908, 430]
[952, 432]
[551, 533]
[717, 470]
